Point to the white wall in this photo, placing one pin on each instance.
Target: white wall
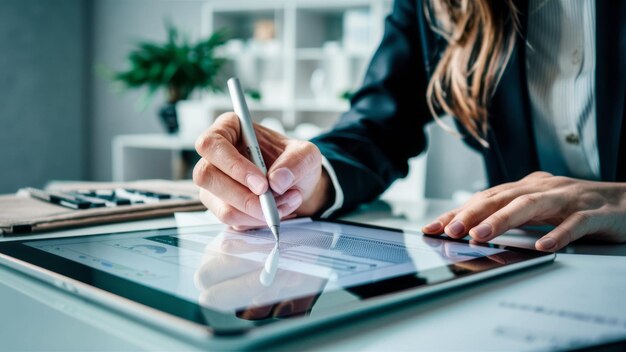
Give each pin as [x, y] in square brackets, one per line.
[117, 26]
[42, 91]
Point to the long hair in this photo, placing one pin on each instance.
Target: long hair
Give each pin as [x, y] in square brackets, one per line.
[481, 35]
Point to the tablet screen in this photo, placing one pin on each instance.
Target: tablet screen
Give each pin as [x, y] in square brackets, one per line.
[215, 271]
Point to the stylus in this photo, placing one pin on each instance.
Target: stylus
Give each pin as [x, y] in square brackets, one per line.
[268, 203]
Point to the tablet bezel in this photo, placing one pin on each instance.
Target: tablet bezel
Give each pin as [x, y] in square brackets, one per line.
[33, 261]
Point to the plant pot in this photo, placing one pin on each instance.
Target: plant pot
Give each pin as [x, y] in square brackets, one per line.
[194, 116]
[168, 117]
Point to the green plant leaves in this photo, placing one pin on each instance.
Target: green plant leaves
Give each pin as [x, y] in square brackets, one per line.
[175, 63]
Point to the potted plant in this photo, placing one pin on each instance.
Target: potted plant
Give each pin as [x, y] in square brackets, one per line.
[176, 65]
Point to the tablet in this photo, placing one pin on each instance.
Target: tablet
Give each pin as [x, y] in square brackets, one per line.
[233, 289]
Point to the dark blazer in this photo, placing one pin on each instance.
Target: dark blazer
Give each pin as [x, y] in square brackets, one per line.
[370, 145]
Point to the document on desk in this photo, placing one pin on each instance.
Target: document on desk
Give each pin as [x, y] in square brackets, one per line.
[578, 301]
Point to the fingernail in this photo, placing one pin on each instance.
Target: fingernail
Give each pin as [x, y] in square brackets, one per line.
[482, 230]
[294, 200]
[432, 227]
[291, 204]
[281, 180]
[547, 243]
[256, 183]
[456, 228]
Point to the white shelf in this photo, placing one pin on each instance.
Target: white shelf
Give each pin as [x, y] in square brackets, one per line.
[323, 54]
[153, 141]
[321, 106]
[224, 103]
[310, 36]
[144, 156]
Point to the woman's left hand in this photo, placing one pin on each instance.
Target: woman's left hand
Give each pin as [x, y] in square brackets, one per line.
[576, 207]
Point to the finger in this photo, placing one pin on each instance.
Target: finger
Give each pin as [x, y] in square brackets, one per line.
[228, 214]
[289, 197]
[436, 226]
[290, 203]
[520, 211]
[217, 146]
[537, 175]
[228, 190]
[574, 227]
[286, 205]
[299, 160]
[485, 204]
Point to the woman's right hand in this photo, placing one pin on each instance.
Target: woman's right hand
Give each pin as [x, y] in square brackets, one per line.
[230, 184]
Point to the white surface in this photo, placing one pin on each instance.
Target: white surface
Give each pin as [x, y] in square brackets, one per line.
[578, 299]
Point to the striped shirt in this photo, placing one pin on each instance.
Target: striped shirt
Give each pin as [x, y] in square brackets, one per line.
[560, 70]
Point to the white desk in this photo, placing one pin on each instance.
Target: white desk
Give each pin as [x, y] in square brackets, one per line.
[35, 316]
[141, 156]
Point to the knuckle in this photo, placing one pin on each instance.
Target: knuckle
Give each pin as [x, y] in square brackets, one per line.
[226, 213]
[235, 168]
[309, 153]
[539, 174]
[582, 218]
[201, 143]
[560, 180]
[250, 203]
[230, 129]
[491, 203]
[501, 219]
[208, 143]
[589, 200]
[470, 215]
[225, 133]
[200, 173]
[527, 200]
[488, 193]
[309, 148]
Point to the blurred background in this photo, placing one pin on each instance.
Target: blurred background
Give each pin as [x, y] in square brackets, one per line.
[118, 89]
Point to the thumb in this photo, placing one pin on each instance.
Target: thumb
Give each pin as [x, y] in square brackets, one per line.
[298, 160]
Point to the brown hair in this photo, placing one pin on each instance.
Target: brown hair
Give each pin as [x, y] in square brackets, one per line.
[481, 36]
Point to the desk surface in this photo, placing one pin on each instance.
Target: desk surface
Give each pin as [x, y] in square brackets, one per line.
[35, 316]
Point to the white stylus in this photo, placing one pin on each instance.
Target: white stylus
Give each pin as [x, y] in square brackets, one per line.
[268, 203]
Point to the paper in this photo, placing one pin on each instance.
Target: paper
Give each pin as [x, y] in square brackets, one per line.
[578, 300]
[195, 218]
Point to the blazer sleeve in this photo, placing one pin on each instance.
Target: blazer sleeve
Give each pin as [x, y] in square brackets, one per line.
[370, 145]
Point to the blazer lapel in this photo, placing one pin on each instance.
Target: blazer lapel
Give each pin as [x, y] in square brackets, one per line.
[610, 82]
[511, 125]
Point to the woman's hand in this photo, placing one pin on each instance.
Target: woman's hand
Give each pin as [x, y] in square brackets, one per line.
[231, 184]
[577, 208]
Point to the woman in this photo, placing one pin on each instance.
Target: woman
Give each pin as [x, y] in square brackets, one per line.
[521, 80]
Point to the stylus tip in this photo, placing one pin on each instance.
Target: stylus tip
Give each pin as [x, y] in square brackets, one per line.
[275, 231]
